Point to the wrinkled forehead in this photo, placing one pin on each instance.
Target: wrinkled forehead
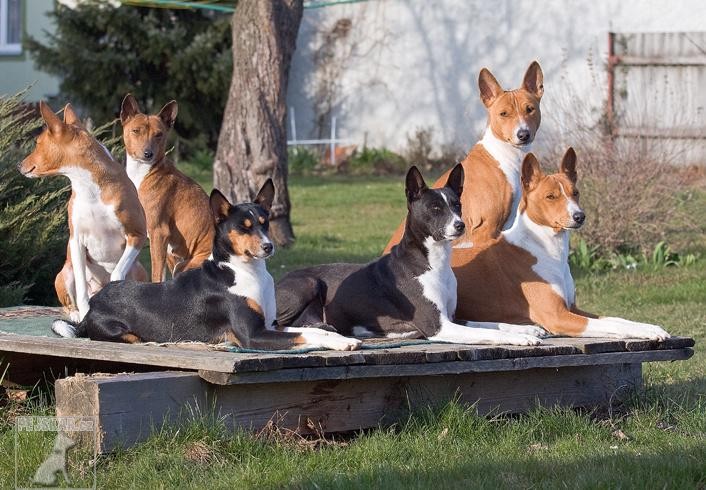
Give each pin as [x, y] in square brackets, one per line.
[146, 121]
[557, 184]
[249, 215]
[439, 197]
[512, 98]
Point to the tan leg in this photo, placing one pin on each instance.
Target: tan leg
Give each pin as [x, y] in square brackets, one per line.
[158, 254]
[65, 287]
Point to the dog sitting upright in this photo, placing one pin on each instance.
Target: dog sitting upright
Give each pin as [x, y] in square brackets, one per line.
[106, 222]
[409, 293]
[229, 298]
[524, 277]
[179, 222]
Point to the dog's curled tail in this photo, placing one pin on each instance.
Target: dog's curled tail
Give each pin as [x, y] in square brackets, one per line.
[68, 329]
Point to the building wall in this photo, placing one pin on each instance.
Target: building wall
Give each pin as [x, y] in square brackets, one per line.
[408, 64]
[18, 72]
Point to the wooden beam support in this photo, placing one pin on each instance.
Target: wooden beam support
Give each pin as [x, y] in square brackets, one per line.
[129, 407]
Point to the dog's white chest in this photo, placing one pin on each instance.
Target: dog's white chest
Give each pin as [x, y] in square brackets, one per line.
[439, 282]
[136, 170]
[509, 160]
[253, 281]
[95, 224]
[551, 251]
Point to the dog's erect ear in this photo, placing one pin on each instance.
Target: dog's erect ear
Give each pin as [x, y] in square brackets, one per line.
[534, 80]
[455, 180]
[219, 205]
[266, 195]
[168, 113]
[128, 109]
[531, 172]
[53, 122]
[568, 165]
[414, 184]
[489, 87]
[70, 116]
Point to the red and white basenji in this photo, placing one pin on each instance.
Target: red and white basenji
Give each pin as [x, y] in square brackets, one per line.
[106, 222]
[492, 167]
[179, 221]
[523, 277]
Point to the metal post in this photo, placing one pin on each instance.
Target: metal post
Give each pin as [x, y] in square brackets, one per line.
[333, 141]
[293, 124]
[610, 101]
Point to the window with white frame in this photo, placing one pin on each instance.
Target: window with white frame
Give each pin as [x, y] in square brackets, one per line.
[10, 27]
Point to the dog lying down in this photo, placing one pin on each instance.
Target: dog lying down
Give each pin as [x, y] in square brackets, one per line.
[229, 298]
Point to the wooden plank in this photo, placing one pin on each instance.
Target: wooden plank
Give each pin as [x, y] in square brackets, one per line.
[129, 407]
[670, 343]
[589, 345]
[227, 362]
[443, 368]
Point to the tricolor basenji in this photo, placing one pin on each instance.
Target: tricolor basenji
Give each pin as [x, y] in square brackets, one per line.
[493, 168]
[523, 277]
[179, 222]
[408, 293]
[106, 221]
[229, 298]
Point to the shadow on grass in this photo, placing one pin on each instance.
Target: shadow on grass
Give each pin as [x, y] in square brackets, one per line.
[615, 469]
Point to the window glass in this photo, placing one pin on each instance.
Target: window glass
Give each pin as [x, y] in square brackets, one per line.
[14, 24]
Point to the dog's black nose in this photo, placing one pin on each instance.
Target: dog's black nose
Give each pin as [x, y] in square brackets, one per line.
[523, 135]
[579, 217]
[459, 226]
[267, 248]
[148, 154]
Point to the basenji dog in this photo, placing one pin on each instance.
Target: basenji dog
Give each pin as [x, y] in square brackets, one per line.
[523, 277]
[493, 165]
[229, 298]
[106, 221]
[179, 222]
[408, 293]
[493, 168]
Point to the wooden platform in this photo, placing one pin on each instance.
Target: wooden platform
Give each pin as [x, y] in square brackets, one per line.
[141, 387]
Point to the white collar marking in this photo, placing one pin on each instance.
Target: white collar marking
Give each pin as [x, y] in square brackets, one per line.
[252, 280]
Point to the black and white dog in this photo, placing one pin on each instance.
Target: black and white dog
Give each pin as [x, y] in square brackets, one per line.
[409, 293]
[229, 298]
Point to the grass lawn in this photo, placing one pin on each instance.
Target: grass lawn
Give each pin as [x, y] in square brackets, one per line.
[656, 440]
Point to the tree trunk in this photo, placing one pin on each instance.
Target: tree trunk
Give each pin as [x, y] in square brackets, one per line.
[252, 145]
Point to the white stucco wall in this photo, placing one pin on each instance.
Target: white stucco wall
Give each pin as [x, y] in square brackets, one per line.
[415, 63]
[18, 72]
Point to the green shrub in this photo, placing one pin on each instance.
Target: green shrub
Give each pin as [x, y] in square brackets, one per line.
[101, 52]
[33, 225]
[376, 161]
[302, 160]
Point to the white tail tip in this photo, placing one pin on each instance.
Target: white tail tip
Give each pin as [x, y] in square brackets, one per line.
[63, 329]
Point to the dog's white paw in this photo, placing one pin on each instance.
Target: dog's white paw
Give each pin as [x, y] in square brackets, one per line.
[636, 330]
[531, 330]
[340, 342]
[74, 316]
[521, 339]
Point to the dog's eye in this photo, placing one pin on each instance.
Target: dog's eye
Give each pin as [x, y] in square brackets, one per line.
[503, 113]
[529, 109]
[551, 197]
[576, 193]
[436, 209]
[136, 131]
